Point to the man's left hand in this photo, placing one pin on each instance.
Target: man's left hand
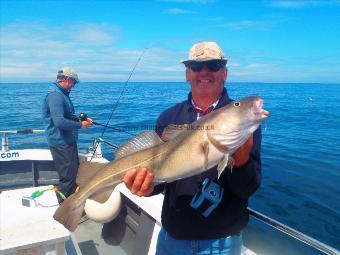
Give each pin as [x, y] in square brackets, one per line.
[86, 123]
[139, 181]
[241, 156]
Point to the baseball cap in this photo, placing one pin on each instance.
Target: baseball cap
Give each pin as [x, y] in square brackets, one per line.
[205, 51]
[68, 72]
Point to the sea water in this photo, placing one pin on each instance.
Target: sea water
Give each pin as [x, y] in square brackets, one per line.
[300, 146]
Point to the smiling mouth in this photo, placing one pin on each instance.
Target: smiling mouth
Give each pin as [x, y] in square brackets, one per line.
[205, 81]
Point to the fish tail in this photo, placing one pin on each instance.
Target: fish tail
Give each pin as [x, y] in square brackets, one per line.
[69, 213]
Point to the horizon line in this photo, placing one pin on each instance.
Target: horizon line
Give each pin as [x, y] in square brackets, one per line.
[39, 82]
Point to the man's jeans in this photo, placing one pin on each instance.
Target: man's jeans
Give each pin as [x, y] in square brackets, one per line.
[166, 245]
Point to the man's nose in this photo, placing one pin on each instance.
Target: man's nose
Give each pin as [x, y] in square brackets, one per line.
[205, 69]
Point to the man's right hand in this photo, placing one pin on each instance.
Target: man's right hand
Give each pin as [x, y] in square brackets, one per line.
[86, 123]
[139, 181]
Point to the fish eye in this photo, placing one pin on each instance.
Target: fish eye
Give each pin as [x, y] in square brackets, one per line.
[237, 104]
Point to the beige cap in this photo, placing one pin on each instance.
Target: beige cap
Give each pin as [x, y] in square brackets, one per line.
[68, 72]
[205, 51]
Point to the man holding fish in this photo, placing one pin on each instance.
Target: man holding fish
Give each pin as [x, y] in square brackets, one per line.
[205, 156]
[193, 222]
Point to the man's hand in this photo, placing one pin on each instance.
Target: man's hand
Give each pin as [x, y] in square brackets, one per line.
[86, 123]
[139, 181]
[241, 156]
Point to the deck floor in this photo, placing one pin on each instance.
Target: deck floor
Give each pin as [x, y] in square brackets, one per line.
[90, 238]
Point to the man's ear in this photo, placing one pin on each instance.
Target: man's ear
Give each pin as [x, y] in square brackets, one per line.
[187, 74]
[225, 75]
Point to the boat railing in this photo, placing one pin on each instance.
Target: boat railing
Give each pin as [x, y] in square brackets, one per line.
[324, 248]
[22, 131]
[304, 245]
[4, 139]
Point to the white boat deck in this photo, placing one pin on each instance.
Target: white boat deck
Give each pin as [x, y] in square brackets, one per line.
[30, 230]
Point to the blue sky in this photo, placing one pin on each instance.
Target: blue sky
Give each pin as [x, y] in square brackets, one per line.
[264, 40]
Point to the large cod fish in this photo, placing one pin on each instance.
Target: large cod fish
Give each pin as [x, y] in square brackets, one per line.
[188, 150]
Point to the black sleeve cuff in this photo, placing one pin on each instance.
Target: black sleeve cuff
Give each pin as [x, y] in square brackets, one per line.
[245, 180]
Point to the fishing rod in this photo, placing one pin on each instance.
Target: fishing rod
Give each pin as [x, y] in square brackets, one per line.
[118, 100]
[83, 117]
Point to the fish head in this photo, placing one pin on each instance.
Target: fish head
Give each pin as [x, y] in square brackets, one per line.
[234, 123]
[245, 114]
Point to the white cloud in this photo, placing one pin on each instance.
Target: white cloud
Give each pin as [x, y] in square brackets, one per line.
[175, 68]
[40, 35]
[258, 65]
[295, 4]
[34, 52]
[179, 11]
[96, 35]
[246, 24]
[234, 65]
[191, 1]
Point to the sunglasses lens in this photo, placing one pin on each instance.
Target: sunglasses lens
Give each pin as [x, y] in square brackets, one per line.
[196, 67]
[213, 66]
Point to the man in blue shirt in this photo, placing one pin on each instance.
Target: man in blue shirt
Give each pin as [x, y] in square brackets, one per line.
[185, 230]
[61, 126]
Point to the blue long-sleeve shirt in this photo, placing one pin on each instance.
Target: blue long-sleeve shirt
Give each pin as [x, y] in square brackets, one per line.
[58, 112]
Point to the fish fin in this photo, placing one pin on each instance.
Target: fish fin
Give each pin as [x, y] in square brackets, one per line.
[69, 214]
[87, 170]
[102, 195]
[222, 165]
[144, 140]
[225, 142]
[171, 131]
[231, 164]
[227, 161]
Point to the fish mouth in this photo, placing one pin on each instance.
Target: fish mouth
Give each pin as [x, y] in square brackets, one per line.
[258, 110]
[264, 113]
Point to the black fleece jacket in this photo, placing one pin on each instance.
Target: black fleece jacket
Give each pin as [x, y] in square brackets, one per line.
[230, 216]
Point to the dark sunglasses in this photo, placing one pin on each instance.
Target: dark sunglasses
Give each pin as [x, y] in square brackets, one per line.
[74, 81]
[213, 66]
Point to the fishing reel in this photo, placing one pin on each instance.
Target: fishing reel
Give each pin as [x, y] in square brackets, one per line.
[83, 116]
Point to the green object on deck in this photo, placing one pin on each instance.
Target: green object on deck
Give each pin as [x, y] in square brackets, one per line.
[37, 193]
